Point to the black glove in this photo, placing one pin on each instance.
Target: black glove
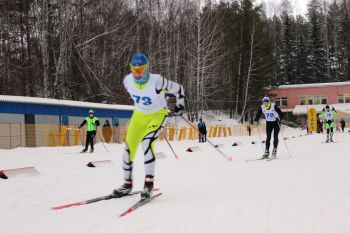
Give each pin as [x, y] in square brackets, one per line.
[333, 109]
[178, 110]
[79, 126]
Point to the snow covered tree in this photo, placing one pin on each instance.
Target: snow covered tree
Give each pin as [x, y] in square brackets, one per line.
[302, 66]
[344, 40]
[317, 49]
[288, 48]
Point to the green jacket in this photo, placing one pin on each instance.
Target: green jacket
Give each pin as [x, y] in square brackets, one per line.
[92, 123]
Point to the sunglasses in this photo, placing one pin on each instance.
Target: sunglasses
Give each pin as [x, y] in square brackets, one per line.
[138, 69]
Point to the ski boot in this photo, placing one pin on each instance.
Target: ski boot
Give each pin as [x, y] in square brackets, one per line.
[124, 190]
[148, 188]
[266, 154]
[83, 151]
[327, 139]
[91, 150]
[274, 153]
[331, 139]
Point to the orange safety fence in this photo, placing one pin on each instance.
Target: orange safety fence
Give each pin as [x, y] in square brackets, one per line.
[14, 135]
[188, 133]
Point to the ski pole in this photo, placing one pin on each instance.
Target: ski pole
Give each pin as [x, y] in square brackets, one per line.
[262, 147]
[227, 157]
[171, 147]
[280, 125]
[102, 141]
[82, 141]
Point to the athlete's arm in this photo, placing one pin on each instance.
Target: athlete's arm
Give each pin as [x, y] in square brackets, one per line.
[279, 111]
[257, 115]
[172, 88]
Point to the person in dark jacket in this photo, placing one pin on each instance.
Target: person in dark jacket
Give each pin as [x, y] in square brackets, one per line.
[321, 125]
[342, 124]
[202, 131]
[91, 128]
[273, 115]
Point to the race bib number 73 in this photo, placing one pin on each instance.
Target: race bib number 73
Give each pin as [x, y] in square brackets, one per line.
[143, 99]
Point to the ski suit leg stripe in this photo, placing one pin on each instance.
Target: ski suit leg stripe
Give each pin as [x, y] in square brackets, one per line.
[135, 132]
[149, 140]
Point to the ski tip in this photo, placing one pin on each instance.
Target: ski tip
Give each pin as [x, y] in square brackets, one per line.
[177, 157]
[67, 206]
[230, 158]
[126, 212]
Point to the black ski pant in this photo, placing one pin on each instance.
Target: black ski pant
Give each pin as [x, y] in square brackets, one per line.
[330, 131]
[272, 126]
[90, 139]
[202, 136]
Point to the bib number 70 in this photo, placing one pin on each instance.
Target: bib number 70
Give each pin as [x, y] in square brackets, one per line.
[270, 115]
[145, 100]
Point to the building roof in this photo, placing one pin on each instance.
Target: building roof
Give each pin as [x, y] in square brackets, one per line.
[332, 84]
[302, 109]
[67, 103]
[42, 106]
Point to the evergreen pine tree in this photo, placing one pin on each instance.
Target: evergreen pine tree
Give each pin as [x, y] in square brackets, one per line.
[301, 61]
[288, 45]
[345, 41]
[317, 50]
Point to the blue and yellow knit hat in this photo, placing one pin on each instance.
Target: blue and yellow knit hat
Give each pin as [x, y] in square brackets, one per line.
[140, 68]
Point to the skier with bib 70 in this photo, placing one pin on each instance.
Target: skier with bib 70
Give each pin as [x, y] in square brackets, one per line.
[328, 115]
[273, 115]
[150, 116]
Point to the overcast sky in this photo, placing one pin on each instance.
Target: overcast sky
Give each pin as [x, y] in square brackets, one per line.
[299, 6]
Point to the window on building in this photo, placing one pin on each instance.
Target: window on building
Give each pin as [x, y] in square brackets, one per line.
[317, 99]
[311, 100]
[347, 99]
[281, 101]
[344, 98]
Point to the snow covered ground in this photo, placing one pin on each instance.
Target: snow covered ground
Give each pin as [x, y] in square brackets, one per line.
[202, 192]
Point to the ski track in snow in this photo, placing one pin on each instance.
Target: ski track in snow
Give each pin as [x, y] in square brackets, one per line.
[202, 192]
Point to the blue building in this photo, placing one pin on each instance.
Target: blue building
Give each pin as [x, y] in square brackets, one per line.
[29, 111]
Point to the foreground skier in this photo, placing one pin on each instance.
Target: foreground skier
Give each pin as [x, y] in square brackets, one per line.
[147, 91]
[273, 115]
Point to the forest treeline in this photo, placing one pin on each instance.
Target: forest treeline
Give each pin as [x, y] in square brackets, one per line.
[226, 54]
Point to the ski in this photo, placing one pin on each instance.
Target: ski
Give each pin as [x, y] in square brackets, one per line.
[251, 160]
[139, 204]
[93, 200]
[329, 142]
